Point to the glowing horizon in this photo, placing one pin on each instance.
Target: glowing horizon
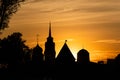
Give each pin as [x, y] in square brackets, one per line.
[93, 25]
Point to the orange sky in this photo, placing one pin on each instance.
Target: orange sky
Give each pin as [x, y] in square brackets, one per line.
[93, 25]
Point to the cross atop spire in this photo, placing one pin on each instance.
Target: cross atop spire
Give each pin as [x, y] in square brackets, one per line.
[37, 38]
[49, 29]
[65, 41]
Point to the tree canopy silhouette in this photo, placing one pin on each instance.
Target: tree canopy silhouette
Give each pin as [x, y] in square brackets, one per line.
[12, 49]
[7, 9]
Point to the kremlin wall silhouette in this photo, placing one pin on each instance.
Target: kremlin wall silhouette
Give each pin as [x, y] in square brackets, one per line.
[34, 64]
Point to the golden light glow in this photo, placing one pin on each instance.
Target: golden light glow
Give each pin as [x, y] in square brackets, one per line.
[93, 25]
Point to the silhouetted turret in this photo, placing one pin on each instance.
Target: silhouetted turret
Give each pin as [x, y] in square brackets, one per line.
[83, 57]
[37, 56]
[65, 56]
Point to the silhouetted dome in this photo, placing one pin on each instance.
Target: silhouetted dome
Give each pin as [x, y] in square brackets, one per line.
[37, 48]
[37, 56]
[83, 56]
[83, 51]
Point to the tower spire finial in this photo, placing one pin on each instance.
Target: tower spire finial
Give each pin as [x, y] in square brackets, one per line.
[65, 41]
[50, 29]
[37, 38]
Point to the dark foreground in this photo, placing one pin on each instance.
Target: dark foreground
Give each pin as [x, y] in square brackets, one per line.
[61, 72]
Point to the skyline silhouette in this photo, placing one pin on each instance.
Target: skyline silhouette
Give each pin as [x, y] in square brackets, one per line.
[81, 22]
[33, 66]
[82, 42]
[22, 54]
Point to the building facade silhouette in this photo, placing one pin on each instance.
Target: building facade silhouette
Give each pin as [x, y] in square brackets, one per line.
[50, 48]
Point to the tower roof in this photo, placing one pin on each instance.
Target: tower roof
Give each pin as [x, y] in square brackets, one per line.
[65, 55]
[37, 47]
[83, 51]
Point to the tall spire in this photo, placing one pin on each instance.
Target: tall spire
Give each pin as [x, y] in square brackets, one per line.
[49, 48]
[49, 29]
[37, 39]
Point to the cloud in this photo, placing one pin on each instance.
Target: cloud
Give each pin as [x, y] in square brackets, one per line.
[66, 6]
[34, 1]
[94, 7]
[108, 41]
[53, 10]
[104, 12]
[82, 0]
[105, 51]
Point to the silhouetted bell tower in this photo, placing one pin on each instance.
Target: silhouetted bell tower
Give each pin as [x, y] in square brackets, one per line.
[50, 49]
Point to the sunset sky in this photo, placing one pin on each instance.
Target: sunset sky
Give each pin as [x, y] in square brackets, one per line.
[90, 24]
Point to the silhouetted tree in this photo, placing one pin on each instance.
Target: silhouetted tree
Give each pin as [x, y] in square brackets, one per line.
[7, 9]
[27, 56]
[13, 49]
[0, 48]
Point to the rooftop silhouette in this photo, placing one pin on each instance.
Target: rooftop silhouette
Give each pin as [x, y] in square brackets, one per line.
[65, 55]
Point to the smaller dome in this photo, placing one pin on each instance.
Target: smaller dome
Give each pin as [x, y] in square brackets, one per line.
[38, 48]
[83, 51]
[83, 56]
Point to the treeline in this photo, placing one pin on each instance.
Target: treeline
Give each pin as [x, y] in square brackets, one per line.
[13, 49]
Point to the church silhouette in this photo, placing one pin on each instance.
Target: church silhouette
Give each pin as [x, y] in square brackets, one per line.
[65, 56]
[64, 66]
